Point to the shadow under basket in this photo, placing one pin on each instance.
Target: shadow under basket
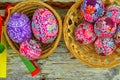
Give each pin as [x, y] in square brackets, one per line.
[28, 8]
[86, 53]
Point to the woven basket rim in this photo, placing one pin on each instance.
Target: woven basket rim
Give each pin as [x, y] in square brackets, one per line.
[55, 14]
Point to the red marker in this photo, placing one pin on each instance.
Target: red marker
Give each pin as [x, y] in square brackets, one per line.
[2, 47]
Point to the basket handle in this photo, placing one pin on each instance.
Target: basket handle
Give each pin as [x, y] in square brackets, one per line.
[77, 0]
[9, 10]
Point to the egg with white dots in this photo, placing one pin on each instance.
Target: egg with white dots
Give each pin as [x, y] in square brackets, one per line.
[19, 27]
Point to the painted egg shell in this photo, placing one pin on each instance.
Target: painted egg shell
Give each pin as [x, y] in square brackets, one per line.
[114, 13]
[44, 25]
[104, 46]
[105, 27]
[30, 49]
[18, 27]
[84, 33]
[117, 36]
[92, 10]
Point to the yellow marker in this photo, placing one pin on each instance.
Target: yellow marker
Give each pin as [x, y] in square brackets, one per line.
[3, 59]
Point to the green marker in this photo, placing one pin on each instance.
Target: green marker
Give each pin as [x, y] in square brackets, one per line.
[2, 48]
[31, 66]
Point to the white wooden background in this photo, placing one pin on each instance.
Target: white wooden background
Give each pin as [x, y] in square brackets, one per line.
[58, 66]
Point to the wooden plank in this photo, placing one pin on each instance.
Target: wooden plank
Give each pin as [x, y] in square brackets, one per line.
[58, 66]
[57, 4]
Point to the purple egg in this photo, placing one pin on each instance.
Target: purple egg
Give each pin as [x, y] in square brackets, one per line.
[19, 27]
[92, 10]
[105, 27]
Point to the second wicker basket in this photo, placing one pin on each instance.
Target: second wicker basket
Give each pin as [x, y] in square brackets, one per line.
[86, 53]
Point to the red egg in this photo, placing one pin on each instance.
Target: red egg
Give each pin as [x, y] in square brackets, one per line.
[30, 49]
[84, 33]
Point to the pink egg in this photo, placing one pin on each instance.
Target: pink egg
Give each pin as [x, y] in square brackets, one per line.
[44, 25]
[117, 36]
[30, 49]
[104, 46]
[84, 33]
[113, 12]
[105, 27]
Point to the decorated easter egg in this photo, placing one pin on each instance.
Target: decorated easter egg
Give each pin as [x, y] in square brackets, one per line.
[84, 33]
[117, 36]
[30, 49]
[105, 27]
[18, 27]
[92, 10]
[104, 46]
[113, 12]
[44, 25]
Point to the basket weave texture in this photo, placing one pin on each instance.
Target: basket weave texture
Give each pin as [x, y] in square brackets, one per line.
[86, 53]
[28, 8]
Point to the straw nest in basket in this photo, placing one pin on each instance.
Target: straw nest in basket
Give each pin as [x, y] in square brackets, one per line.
[28, 8]
[86, 53]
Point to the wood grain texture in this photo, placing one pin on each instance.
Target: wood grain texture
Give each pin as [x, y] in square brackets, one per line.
[57, 4]
[61, 65]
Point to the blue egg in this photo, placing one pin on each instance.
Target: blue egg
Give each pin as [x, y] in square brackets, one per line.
[92, 10]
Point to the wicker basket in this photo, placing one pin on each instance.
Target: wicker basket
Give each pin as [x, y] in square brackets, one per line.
[86, 53]
[28, 8]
